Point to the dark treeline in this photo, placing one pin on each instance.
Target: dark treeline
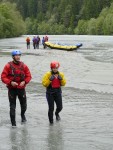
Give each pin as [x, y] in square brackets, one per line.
[64, 16]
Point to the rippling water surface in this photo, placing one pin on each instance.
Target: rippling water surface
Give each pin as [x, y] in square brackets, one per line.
[87, 115]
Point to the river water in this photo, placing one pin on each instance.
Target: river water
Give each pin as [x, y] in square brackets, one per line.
[87, 115]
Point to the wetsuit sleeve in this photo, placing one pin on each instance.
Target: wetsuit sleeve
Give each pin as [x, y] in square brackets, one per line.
[4, 75]
[45, 80]
[27, 74]
[63, 81]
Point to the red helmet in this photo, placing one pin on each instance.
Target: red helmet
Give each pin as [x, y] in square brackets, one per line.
[54, 64]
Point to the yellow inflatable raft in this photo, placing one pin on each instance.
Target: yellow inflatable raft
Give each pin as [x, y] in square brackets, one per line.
[62, 47]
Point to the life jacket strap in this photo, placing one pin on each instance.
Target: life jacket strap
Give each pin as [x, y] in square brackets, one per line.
[13, 69]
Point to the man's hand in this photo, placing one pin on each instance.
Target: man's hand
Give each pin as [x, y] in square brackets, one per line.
[22, 83]
[14, 83]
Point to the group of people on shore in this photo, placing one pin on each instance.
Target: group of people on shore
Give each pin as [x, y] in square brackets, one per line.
[36, 41]
[16, 75]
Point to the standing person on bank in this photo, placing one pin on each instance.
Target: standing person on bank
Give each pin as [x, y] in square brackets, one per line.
[38, 41]
[28, 42]
[16, 75]
[43, 43]
[53, 80]
[34, 41]
[46, 38]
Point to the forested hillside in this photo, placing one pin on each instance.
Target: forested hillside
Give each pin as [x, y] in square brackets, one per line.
[61, 16]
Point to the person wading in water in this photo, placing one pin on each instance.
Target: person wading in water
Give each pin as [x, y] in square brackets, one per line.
[16, 75]
[53, 80]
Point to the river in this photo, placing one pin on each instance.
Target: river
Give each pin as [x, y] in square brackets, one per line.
[87, 115]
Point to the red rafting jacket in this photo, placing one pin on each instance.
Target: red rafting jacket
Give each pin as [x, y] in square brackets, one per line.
[15, 72]
[55, 83]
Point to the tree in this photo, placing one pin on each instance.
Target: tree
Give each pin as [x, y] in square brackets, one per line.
[11, 21]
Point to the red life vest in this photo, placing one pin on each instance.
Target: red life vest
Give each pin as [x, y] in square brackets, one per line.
[46, 39]
[17, 72]
[55, 83]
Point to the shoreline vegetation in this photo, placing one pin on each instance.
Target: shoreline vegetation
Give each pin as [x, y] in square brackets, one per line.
[11, 22]
[17, 18]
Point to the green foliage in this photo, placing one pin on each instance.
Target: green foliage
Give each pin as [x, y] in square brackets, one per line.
[91, 28]
[103, 25]
[11, 23]
[99, 24]
[108, 25]
[33, 27]
[92, 8]
[56, 17]
[81, 28]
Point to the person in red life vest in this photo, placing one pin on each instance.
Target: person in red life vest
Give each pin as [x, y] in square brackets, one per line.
[28, 42]
[16, 75]
[53, 80]
[46, 38]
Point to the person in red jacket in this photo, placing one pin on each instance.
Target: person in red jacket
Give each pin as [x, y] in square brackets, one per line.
[16, 75]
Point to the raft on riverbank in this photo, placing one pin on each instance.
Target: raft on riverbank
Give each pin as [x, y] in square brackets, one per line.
[63, 46]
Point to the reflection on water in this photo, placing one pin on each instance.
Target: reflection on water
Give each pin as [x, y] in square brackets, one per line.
[19, 138]
[55, 137]
[86, 123]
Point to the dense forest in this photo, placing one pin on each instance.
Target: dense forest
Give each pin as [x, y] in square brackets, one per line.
[19, 17]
